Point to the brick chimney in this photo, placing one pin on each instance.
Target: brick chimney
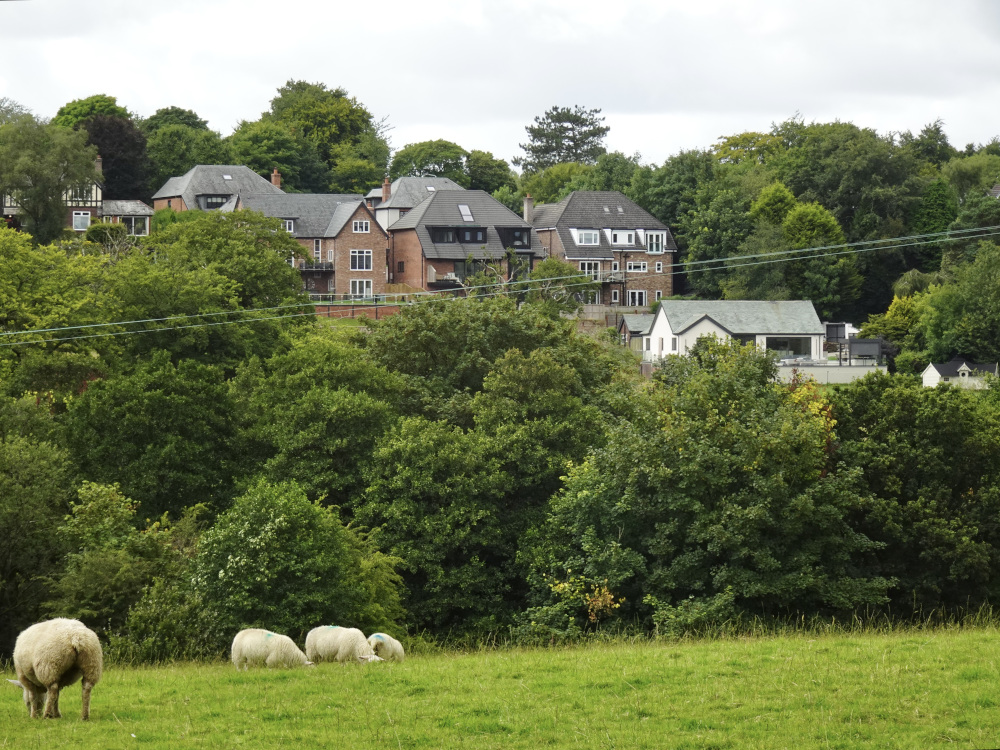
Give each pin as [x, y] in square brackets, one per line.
[529, 208]
[276, 178]
[386, 190]
[99, 165]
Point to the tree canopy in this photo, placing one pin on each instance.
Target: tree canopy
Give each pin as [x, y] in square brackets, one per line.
[563, 134]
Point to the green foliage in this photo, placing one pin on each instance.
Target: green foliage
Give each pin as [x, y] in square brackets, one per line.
[75, 112]
[265, 145]
[749, 147]
[773, 204]
[930, 144]
[670, 191]
[552, 183]
[563, 135]
[938, 208]
[431, 159]
[174, 149]
[38, 164]
[278, 561]
[163, 431]
[489, 173]
[930, 460]
[972, 175]
[613, 171]
[558, 287]
[510, 197]
[976, 211]
[172, 116]
[124, 161]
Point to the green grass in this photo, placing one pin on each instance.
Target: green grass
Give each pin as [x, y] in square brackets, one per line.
[912, 689]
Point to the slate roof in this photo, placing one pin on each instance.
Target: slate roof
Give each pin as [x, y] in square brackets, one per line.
[637, 324]
[794, 317]
[210, 179]
[995, 191]
[126, 208]
[951, 369]
[440, 209]
[314, 215]
[598, 209]
[407, 192]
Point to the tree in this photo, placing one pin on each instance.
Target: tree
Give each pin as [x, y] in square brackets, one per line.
[71, 115]
[563, 135]
[266, 145]
[488, 173]
[972, 175]
[558, 287]
[174, 149]
[39, 164]
[938, 208]
[750, 147]
[431, 159]
[172, 116]
[552, 183]
[670, 191]
[930, 144]
[122, 148]
[10, 110]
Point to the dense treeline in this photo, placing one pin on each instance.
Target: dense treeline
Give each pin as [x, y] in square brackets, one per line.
[183, 452]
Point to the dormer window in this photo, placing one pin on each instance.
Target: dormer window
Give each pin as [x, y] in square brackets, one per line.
[442, 234]
[214, 201]
[288, 225]
[622, 238]
[587, 237]
[654, 242]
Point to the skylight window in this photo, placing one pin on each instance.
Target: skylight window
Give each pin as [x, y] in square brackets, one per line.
[227, 177]
[466, 213]
[621, 210]
[431, 188]
[607, 210]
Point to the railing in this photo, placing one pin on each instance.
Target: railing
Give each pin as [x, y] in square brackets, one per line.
[311, 265]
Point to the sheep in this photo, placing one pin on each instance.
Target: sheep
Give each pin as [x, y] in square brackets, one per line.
[50, 655]
[386, 647]
[255, 647]
[334, 643]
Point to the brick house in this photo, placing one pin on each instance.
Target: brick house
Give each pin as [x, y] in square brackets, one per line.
[207, 187]
[453, 234]
[613, 240]
[392, 201]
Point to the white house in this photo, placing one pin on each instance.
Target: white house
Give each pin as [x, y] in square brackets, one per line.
[958, 372]
[790, 328]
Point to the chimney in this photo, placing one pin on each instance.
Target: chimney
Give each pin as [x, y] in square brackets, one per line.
[529, 208]
[386, 190]
[99, 165]
[276, 178]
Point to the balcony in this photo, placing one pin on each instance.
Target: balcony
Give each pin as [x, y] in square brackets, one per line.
[312, 265]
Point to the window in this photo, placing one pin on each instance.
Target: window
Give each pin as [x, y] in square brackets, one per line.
[673, 343]
[659, 266]
[442, 235]
[472, 235]
[318, 250]
[659, 295]
[329, 255]
[637, 297]
[81, 220]
[614, 296]
[623, 238]
[361, 260]
[361, 227]
[399, 266]
[361, 288]
[649, 343]
[431, 188]
[636, 266]
[614, 265]
[466, 213]
[214, 201]
[288, 225]
[654, 242]
[587, 237]
[592, 268]
[137, 226]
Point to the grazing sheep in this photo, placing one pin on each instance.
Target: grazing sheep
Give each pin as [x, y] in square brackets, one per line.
[334, 643]
[50, 655]
[255, 647]
[386, 646]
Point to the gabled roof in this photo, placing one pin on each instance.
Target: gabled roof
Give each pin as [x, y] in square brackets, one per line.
[441, 209]
[313, 214]
[125, 208]
[794, 317]
[951, 369]
[636, 324]
[598, 209]
[216, 179]
[407, 192]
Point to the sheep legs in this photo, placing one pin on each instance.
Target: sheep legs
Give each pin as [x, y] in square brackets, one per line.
[52, 702]
[87, 687]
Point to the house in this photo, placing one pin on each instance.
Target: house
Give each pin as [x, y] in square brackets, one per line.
[211, 186]
[346, 246]
[83, 204]
[611, 239]
[392, 201]
[135, 215]
[632, 330]
[791, 329]
[960, 373]
[453, 234]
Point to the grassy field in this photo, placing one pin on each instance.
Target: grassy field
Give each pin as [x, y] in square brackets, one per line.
[909, 690]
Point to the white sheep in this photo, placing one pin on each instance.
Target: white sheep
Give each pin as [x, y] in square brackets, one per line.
[386, 647]
[255, 647]
[50, 655]
[334, 643]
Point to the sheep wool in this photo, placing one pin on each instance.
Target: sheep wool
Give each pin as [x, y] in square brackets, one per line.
[255, 647]
[50, 655]
[334, 643]
[386, 646]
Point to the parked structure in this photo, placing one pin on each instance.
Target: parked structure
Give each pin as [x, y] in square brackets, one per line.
[611, 239]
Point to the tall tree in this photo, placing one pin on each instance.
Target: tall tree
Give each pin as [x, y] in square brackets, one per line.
[438, 158]
[39, 163]
[75, 112]
[488, 173]
[122, 148]
[563, 135]
[174, 149]
[172, 116]
[265, 145]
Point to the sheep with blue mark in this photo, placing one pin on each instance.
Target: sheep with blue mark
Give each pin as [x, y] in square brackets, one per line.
[386, 647]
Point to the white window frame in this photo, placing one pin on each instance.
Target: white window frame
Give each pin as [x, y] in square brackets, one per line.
[588, 237]
[329, 255]
[614, 266]
[591, 268]
[361, 289]
[318, 250]
[622, 237]
[614, 296]
[288, 225]
[130, 222]
[362, 226]
[659, 266]
[636, 266]
[80, 223]
[673, 343]
[655, 242]
[636, 297]
[361, 260]
[659, 295]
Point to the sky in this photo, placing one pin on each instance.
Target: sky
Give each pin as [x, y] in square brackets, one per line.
[667, 76]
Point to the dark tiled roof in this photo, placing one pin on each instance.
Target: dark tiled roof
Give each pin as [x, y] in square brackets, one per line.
[215, 179]
[636, 323]
[745, 316]
[598, 209]
[951, 369]
[312, 213]
[441, 209]
[407, 192]
[126, 208]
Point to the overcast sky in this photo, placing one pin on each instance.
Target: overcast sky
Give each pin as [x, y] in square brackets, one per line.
[667, 75]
